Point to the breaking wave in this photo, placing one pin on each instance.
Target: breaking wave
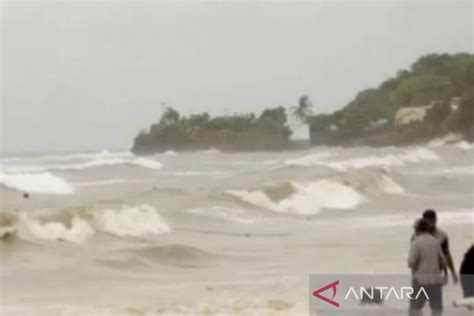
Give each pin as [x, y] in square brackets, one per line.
[43, 183]
[308, 160]
[343, 192]
[79, 225]
[131, 221]
[99, 162]
[31, 229]
[103, 162]
[465, 145]
[105, 153]
[302, 198]
[447, 139]
[414, 155]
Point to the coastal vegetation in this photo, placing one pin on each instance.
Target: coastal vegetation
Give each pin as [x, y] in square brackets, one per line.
[239, 132]
[435, 96]
[441, 86]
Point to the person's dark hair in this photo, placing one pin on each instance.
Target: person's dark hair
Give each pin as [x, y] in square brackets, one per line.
[429, 214]
[423, 226]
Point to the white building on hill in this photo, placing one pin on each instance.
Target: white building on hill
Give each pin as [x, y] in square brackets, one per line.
[409, 115]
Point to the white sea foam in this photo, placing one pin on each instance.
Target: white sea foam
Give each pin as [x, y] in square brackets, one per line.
[308, 160]
[43, 183]
[32, 229]
[441, 141]
[414, 155]
[101, 182]
[453, 171]
[140, 162]
[98, 162]
[306, 198]
[169, 153]
[210, 151]
[465, 145]
[135, 221]
[388, 185]
[73, 156]
[199, 173]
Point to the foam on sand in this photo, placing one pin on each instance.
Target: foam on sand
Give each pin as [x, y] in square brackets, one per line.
[303, 198]
[131, 221]
[43, 183]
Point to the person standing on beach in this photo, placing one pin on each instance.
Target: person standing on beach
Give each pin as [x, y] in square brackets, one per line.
[431, 217]
[426, 261]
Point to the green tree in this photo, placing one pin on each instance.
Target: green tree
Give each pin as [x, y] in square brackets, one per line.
[303, 110]
[170, 116]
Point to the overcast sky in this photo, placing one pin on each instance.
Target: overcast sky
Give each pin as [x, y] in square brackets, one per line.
[90, 75]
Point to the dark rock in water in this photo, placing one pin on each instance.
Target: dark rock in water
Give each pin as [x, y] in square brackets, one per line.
[371, 296]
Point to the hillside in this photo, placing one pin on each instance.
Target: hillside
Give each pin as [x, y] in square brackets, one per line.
[442, 84]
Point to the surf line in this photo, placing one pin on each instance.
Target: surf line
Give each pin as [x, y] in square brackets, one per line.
[213, 232]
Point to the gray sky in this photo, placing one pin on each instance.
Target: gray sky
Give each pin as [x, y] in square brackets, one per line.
[90, 75]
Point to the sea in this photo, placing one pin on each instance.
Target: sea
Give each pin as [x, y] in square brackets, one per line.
[213, 233]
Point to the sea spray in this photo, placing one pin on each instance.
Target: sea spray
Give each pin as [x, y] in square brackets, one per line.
[43, 183]
[136, 221]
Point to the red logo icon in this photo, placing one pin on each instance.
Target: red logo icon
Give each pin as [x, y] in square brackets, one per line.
[332, 286]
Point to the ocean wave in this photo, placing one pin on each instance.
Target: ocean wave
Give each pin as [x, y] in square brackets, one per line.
[42, 183]
[302, 198]
[464, 145]
[77, 225]
[449, 217]
[211, 150]
[200, 173]
[129, 221]
[236, 215]
[73, 156]
[453, 171]
[100, 182]
[169, 153]
[371, 182]
[103, 162]
[175, 254]
[96, 163]
[444, 140]
[31, 229]
[307, 160]
[413, 155]
[345, 191]
[8, 222]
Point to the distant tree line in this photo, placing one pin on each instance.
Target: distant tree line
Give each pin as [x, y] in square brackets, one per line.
[229, 133]
[435, 79]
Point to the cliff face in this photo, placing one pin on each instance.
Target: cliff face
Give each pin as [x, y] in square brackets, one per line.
[226, 133]
[444, 82]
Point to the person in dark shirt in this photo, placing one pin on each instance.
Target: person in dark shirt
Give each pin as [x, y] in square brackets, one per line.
[467, 273]
[431, 218]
